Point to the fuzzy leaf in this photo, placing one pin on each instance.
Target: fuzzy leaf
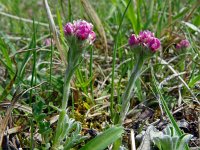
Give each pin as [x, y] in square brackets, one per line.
[183, 140]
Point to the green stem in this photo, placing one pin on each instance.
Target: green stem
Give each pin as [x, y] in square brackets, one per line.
[66, 88]
[127, 94]
[58, 136]
[129, 88]
[61, 121]
[114, 62]
[91, 74]
[182, 68]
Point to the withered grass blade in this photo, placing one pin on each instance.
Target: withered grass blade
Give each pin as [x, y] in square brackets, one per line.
[54, 31]
[96, 20]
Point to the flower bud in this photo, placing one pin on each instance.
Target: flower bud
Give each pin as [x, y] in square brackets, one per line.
[154, 44]
[183, 44]
[69, 29]
[133, 40]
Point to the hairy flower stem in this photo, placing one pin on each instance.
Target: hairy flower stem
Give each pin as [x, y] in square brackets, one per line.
[58, 138]
[66, 88]
[129, 88]
[61, 121]
[182, 68]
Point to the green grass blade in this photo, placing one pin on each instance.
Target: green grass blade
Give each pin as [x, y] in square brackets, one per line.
[150, 14]
[194, 80]
[33, 80]
[25, 61]
[59, 19]
[69, 11]
[161, 17]
[4, 51]
[131, 14]
[91, 74]
[7, 89]
[165, 107]
[114, 59]
[51, 59]
[9, 97]
[105, 139]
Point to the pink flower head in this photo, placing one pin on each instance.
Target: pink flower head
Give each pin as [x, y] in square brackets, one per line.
[69, 29]
[145, 36]
[133, 40]
[154, 44]
[91, 37]
[82, 29]
[145, 39]
[183, 44]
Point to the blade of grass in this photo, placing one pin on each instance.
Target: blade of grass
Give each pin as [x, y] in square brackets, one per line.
[22, 19]
[59, 19]
[9, 97]
[51, 60]
[19, 79]
[8, 88]
[69, 11]
[149, 15]
[54, 31]
[159, 25]
[91, 74]
[165, 107]
[164, 104]
[114, 61]
[179, 77]
[132, 13]
[96, 20]
[103, 140]
[61, 2]
[4, 50]
[139, 22]
[33, 76]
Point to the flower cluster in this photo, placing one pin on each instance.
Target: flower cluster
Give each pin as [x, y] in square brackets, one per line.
[183, 44]
[145, 38]
[81, 29]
